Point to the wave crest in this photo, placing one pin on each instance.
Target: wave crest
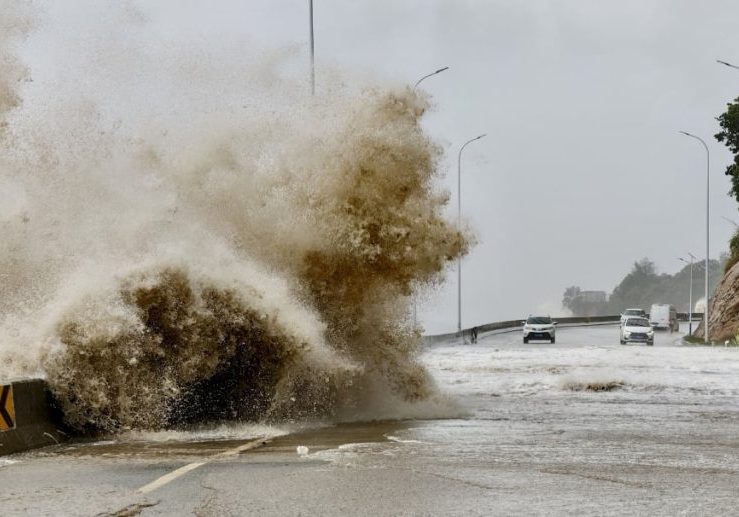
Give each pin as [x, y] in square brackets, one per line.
[240, 259]
[169, 348]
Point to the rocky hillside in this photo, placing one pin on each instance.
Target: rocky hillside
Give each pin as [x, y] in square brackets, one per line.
[724, 317]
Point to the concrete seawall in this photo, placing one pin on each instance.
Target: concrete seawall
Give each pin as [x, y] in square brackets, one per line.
[28, 418]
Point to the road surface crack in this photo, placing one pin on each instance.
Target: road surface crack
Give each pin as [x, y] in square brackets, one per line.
[129, 511]
[597, 477]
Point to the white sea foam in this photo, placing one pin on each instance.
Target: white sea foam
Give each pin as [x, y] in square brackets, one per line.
[623, 371]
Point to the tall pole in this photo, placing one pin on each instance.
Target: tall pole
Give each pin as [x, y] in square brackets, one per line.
[440, 70]
[312, 52]
[415, 302]
[727, 64]
[706, 314]
[459, 224]
[690, 296]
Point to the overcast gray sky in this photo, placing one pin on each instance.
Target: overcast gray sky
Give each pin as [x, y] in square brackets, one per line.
[583, 170]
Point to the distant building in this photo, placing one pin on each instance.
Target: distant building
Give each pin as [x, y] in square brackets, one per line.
[585, 303]
[594, 297]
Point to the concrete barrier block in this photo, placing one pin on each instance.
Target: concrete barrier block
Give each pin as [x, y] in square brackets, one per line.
[28, 418]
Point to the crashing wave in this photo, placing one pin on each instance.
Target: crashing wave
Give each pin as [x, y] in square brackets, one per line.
[216, 264]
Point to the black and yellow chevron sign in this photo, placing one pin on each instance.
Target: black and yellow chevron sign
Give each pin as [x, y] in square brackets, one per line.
[7, 409]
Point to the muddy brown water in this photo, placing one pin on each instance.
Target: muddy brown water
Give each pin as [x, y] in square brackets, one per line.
[316, 439]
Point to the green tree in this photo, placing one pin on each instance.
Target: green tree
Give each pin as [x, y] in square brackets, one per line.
[637, 289]
[733, 251]
[643, 286]
[729, 135]
[570, 299]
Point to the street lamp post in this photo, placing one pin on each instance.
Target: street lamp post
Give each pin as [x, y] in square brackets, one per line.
[708, 204]
[312, 52]
[440, 70]
[459, 223]
[690, 296]
[727, 64]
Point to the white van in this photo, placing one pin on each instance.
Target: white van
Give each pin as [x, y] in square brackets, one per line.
[663, 316]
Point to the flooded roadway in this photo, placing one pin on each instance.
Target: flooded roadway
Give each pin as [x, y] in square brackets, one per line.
[586, 426]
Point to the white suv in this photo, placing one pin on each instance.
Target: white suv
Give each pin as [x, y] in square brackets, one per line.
[637, 330]
[632, 313]
[539, 327]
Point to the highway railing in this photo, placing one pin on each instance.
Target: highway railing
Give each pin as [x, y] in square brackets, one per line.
[514, 325]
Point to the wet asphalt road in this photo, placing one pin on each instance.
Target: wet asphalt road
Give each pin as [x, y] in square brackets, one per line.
[585, 426]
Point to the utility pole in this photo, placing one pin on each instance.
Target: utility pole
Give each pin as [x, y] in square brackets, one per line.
[415, 302]
[708, 230]
[312, 52]
[459, 224]
[690, 296]
[727, 64]
[440, 70]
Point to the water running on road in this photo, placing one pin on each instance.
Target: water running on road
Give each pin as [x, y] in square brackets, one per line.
[533, 438]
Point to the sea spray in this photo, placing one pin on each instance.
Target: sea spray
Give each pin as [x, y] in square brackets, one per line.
[15, 23]
[242, 261]
[169, 345]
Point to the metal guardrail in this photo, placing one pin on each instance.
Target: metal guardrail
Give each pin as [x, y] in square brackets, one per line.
[683, 316]
[516, 324]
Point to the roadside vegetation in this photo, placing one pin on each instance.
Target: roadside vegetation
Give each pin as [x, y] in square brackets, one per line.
[733, 252]
[694, 340]
[643, 286]
[698, 340]
[729, 135]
